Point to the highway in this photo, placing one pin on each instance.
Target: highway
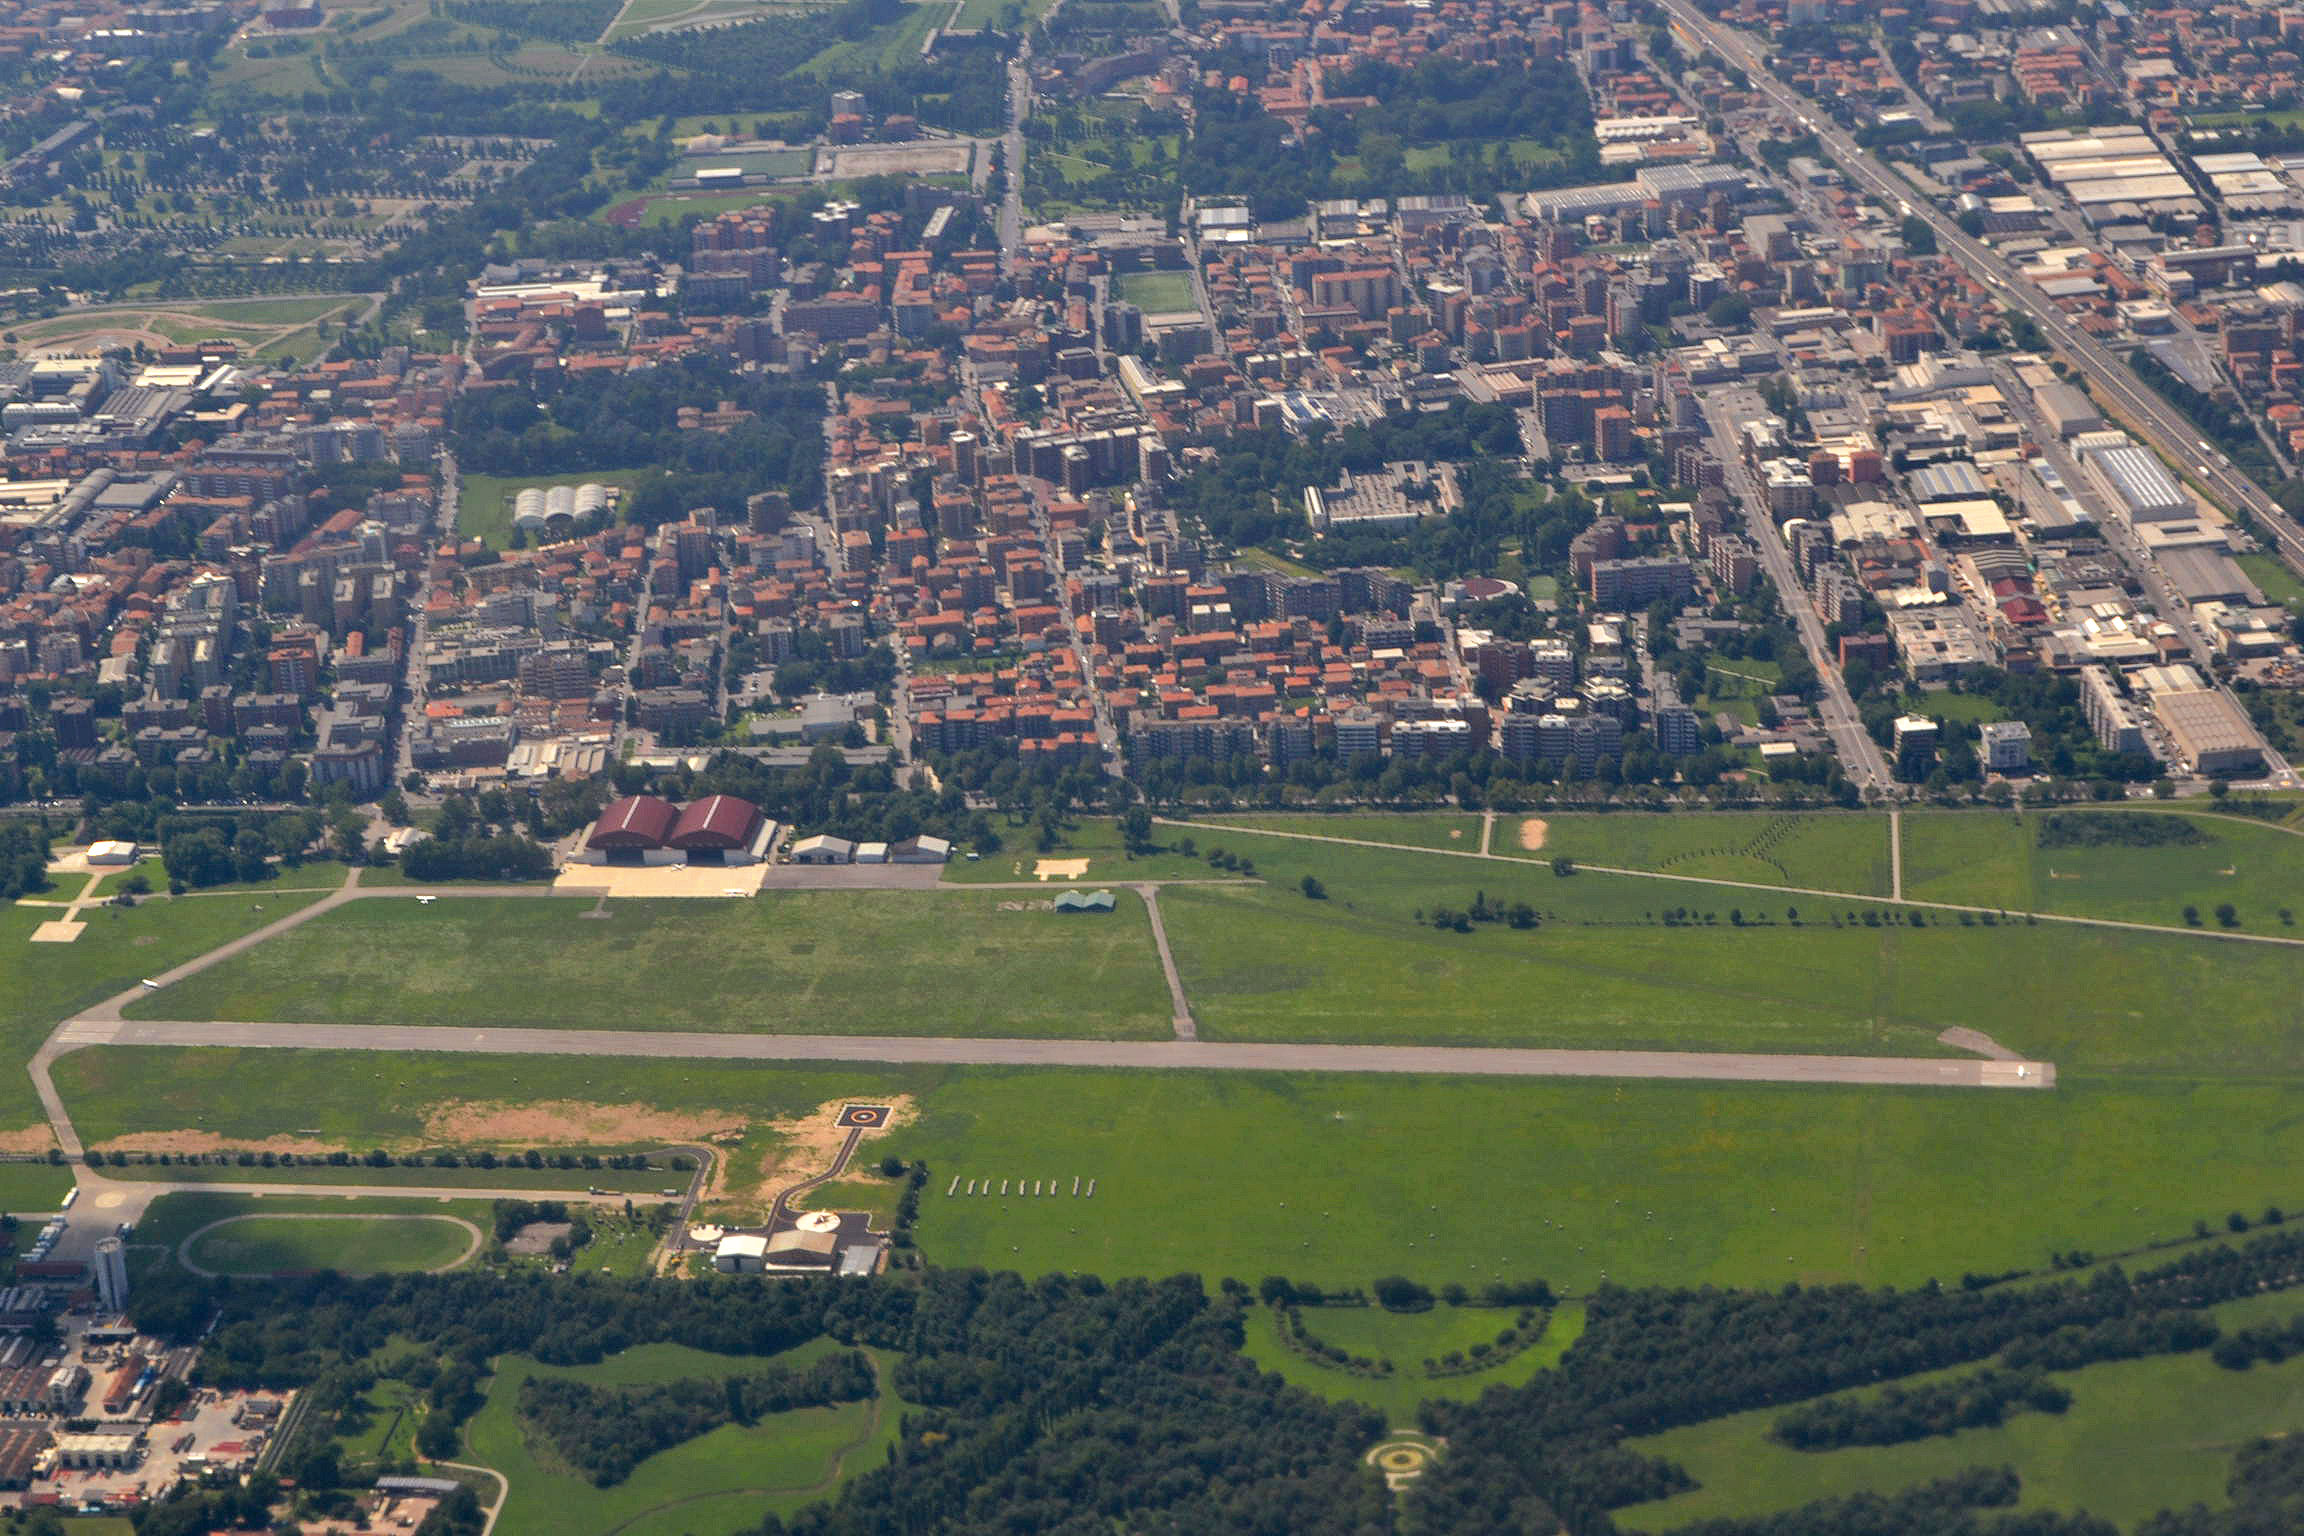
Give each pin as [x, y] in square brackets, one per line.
[1186, 1055]
[2110, 380]
[2151, 417]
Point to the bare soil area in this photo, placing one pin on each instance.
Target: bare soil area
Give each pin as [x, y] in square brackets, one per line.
[1533, 830]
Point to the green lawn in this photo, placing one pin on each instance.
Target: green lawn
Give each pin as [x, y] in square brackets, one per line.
[484, 502]
[1156, 293]
[1406, 1341]
[1435, 829]
[942, 962]
[279, 1232]
[1096, 839]
[1338, 1179]
[507, 1175]
[2273, 578]
[715, 1485]
[32, 1188]
[2141, 1436]
[265, 1244]
[1993, 859]
[42, 984]
[1822, 850]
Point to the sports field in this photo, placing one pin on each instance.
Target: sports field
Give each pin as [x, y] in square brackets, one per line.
[1426, 829]
[484, 502]
[800, 962]
[715, 1485]
[1997, 860]
[353, 1243]
[2140, 1436]
[1156, 293]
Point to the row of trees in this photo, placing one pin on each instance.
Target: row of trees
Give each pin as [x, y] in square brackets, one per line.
[604, 1432]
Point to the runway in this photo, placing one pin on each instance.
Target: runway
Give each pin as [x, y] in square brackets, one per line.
[1175, 1055]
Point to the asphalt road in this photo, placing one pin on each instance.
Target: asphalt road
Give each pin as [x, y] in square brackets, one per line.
[1198, 1055]
[2145, 412]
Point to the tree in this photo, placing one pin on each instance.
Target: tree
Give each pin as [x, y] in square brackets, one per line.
[2191, 917]
[1136, 829]
[1314, 890]
[2227, 914]
[1729, 311]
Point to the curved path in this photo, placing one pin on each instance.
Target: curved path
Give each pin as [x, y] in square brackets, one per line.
[184, 1249]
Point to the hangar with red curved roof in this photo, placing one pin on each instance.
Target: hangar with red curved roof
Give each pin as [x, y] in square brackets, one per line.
[634, 824]
[717, 823]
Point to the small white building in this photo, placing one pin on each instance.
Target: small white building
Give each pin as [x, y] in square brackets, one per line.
[112, 853]
[823, 849]
[2007, 746]
[921, 850]
[741, 1253]
[871, 853]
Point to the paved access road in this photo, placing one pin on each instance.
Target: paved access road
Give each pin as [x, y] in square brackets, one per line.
[1196, 1055]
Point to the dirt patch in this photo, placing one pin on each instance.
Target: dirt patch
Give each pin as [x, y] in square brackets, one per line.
[535, 1239]
[1533, 830]
[33, 1138]
[571, 1123]
[209, 1141]
[806, 1146]
[1059, 869]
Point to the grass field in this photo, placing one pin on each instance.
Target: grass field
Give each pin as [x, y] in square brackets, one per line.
[264, 1244]
[1406, 1341]
[1262, 962]
[29, 1188]
[484, 502]
[2141, 1436]
[2274, 580]
[1823, 850]
[1995, 860]
[1338, 1179]
[41, 984]
[1433, 829]
[715, 1485]
[801, 962]
[1156, 293]
[280, 1232]
[1098, 841]
[507, 1175]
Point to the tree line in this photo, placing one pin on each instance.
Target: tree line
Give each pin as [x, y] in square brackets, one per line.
[604, 1432]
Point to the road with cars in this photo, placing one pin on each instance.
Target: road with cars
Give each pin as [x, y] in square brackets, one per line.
[2110, 380]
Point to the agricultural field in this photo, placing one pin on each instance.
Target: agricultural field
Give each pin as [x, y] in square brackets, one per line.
[2140, 1436]
[797, 962]
[484, 502]
[1821, 850]
[715, 1485]
[1156, 293]
[42, 984]
[1996, 860]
